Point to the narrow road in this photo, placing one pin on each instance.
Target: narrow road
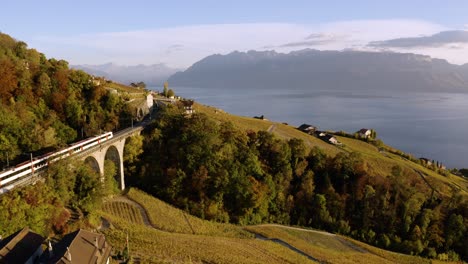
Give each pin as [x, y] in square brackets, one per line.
[339, 238]
[271, 129]
[300, 229]
[284, 244]
[423, 176]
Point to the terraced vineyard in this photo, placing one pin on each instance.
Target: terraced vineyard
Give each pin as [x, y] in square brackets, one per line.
[174, 236]
[124, 210]
[167, 218]
[216, 243]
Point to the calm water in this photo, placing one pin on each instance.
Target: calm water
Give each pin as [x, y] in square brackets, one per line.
[431, 125]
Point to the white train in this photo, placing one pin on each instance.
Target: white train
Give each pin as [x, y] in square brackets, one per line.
[10, 178]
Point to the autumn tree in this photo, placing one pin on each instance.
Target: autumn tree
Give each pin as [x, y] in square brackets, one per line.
[8, 80]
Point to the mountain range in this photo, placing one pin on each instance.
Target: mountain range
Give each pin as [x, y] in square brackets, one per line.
[325, 70]
[152, 75]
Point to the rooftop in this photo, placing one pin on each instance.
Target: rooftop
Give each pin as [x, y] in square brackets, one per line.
[80, 247]
[20, 246]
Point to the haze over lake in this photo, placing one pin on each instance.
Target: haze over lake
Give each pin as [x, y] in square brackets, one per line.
[431, 125]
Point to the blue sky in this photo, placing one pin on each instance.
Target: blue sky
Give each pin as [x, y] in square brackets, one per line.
[180, 32]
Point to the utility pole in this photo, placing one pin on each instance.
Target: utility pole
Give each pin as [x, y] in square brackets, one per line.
[7, 160]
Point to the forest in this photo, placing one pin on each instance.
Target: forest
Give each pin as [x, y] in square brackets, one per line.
[221, 173]
[45, 105]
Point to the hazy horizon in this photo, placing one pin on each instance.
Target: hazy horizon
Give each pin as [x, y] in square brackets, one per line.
[178, 34]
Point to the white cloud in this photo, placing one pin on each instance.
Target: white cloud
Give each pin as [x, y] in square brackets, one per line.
[182, 46]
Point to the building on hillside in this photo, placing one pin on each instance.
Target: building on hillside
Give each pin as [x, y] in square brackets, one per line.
[320, 134]
[364, 133]
[188, 106]
[426, 162]
[331, 139]
[24, 246]
[80, 246]
[306, 128]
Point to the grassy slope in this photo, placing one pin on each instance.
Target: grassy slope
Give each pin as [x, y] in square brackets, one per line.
[334, 248]
[173, 240]
[378, 163]
[327, 247]
[167, 218]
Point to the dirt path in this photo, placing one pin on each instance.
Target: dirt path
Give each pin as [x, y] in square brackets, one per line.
[271, 129]
[300, 229]
[345, 242]
[284, 244]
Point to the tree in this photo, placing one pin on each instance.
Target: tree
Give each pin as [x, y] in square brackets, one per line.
[170, 93]
[166, 87]
[132, 151]
[8, 80]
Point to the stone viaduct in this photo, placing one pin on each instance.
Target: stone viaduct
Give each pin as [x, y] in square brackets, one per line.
[112, 150]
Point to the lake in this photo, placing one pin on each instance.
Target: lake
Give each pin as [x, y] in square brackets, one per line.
[431, 125]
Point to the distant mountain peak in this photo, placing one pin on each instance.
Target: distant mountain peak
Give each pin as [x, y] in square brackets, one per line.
[152, 75]
[334, 70]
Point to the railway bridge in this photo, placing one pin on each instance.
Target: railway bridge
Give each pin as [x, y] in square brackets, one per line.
[111, 149]
[94, 151]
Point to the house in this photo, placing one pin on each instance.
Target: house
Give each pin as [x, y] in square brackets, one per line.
[80, 246]
[320, 134]
[188, 106]
[24, 246]
[306, 128]
[331, 139]
[426, 162]
[262, 117]
[364, 133]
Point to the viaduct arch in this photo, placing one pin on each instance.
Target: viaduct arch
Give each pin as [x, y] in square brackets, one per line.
[112, 150]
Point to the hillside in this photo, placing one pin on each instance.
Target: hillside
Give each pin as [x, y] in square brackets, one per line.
[248, 171]
[229, 244]
[44, 104]
[324, 70]
[380, 163]
[154, 75]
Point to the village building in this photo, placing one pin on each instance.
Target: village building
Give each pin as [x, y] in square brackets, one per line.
[364, 133]
[80, 246]
[306, 128]
[24, 246]
[331, 139]
[188, 106]
[426, 162]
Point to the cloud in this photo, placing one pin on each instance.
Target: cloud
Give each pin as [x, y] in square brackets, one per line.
[436, 40]
[182, 46]
[315, 39]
